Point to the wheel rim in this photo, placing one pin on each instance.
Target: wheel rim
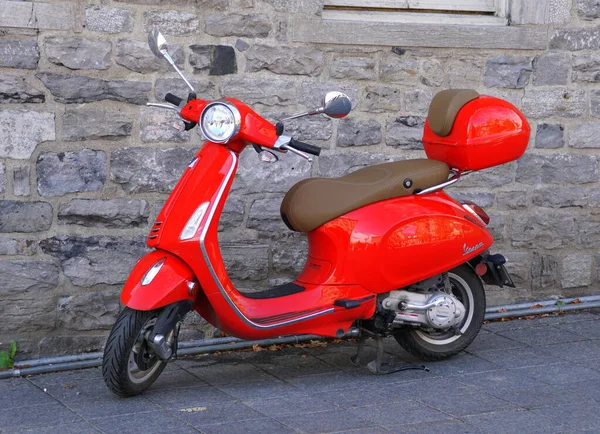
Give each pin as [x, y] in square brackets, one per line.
[135, 373]
[464, 293]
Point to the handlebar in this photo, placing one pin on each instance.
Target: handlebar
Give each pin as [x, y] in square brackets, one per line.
[175, 100]
[305, 147]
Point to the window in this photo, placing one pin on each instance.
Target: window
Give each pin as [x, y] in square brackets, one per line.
[494, 24]
[486, 12]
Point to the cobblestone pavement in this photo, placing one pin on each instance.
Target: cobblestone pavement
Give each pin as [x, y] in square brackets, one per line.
[536, 375]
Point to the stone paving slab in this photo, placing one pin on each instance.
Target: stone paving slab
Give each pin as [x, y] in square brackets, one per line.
[535, 375]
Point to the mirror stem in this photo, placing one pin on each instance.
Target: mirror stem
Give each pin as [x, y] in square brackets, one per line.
[299, 115]
[172, 62]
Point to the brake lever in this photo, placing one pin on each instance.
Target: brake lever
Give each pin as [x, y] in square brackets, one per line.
[297, 152]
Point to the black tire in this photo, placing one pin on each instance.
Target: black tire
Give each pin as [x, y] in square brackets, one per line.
[122, 373]
[432, 346]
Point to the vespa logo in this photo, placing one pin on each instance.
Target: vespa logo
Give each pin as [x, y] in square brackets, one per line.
[467, 249]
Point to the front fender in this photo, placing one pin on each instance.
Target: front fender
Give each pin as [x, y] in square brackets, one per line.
[168, 286]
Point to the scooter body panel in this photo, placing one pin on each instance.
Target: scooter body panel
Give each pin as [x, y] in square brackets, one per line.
[169, 284]
[394, 243]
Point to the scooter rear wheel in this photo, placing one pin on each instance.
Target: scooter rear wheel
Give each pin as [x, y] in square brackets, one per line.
[128, 367]
[439, 345]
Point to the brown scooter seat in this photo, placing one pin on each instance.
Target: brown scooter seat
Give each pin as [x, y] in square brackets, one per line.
[444, 107]
[315, 201]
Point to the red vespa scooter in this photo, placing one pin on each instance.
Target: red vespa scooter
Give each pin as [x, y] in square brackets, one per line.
[389, 252]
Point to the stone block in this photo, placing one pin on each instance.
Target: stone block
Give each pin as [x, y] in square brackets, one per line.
[59, 173]
[89, 261]
[88, 311]
[204, 89]
[265, 216]
[260, 90]
[549, 136]
[405, 132]
[576, 39]
[215, 59]
[519, 265]
[16, 216]
[569, 103]
[588, 10]
[18, 139]
[353, 68]
[399, 69]
[595, 103]
[144, 170]
[284, 60]
[588, 231]
[557, 168]
[586, 68]
[585, 135]
[241, 45]
[248, 25]
[432, 73]
[464, 72]
[18, 247]
[544, 271]
[106, 213]
[271, 178]
[417, 101]
[158, 126]
[311, 94]
[509, 72]
[36, 15]
[543, 230]
[108, 20]
[83, 123]
[566, 197]
[171, 22]
[26, 288]
[497, 176]
[78, 89]
[512, 200]
[380, 99]
[246, 262]
[484, 200]
[15, 89]
[78, 53]
[19, 53]
[136, 56]
[352, 132]
[334, 166]
[576, 270]
[305, 129]
[551, 69]
[233, 213]
[2, 177]
[307, 7]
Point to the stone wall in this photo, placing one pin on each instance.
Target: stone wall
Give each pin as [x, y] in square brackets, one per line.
[85, 167]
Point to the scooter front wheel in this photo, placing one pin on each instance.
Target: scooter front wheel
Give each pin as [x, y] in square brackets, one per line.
[439, 345]
[128, 366]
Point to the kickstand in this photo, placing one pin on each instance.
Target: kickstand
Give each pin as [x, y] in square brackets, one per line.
[357, 359]
[384, 363]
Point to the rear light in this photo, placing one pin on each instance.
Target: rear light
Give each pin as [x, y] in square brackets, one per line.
[477, 211]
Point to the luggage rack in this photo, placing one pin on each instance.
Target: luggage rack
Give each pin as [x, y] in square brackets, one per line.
[456, 174]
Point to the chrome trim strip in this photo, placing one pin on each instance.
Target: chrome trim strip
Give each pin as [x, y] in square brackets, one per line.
[214, 275]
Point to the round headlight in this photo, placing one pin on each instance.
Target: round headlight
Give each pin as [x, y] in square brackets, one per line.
[220, 121]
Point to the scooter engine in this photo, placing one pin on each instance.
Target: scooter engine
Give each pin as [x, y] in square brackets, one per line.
[437, 310]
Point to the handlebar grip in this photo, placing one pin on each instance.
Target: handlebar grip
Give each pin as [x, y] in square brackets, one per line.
[173, 99]
[305, 147]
